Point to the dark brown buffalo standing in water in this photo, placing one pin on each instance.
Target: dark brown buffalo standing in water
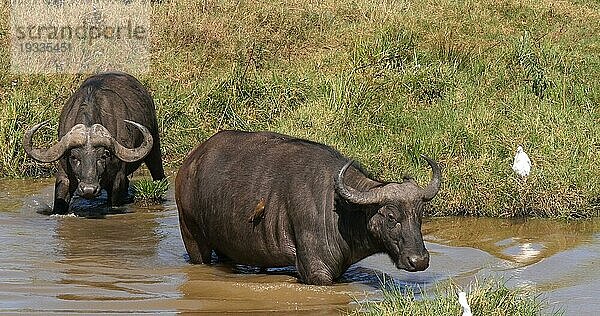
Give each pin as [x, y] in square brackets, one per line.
[270, 200]
[106, 129]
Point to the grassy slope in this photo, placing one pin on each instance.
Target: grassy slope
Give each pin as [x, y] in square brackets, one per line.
[464, 82]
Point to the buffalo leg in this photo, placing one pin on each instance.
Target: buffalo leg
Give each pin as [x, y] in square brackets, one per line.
[63, 191]
[312, 270]
[196, 247]
[118, 194]
[154, 163]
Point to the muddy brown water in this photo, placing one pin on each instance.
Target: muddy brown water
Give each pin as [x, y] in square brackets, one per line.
[133, 261]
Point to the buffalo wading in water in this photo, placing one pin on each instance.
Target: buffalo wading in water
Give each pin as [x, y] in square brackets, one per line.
[106, 129]
[270, 200]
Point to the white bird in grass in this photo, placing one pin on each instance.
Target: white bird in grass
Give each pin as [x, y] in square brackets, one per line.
[462, 300]
[522, 164]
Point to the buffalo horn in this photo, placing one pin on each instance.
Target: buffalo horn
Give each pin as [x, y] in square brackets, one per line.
[134, 154]
[357, 197]
[55, 151]
[434, 185]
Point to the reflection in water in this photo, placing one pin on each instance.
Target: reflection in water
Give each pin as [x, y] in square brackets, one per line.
[14, 191]
[561, 259]
[218, 290]
[520, 241]
[135, 262]
[97, 250]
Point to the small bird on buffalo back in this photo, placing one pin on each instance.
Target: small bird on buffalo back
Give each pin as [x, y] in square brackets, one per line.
[259, 211]
[521, 164]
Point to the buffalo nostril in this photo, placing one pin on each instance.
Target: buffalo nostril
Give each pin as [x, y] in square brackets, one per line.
[89, 191]
[418, 262]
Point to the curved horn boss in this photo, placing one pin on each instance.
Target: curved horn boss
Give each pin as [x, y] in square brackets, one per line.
[357, 197]
[100, 136]
[376, 195]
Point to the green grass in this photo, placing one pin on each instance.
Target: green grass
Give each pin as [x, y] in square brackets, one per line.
[383, 82]
[147, 192]
[488, 297]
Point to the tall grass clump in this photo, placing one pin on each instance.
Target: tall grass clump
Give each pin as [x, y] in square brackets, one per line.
[249, 102]
[488, 297]
[147, 192]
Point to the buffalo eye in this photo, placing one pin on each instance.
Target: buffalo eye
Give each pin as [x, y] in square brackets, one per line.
[106, 154]
[74, 161]
[391, 217]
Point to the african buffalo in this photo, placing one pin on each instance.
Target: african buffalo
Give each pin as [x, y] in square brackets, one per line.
[106, 129]
[270, 200]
